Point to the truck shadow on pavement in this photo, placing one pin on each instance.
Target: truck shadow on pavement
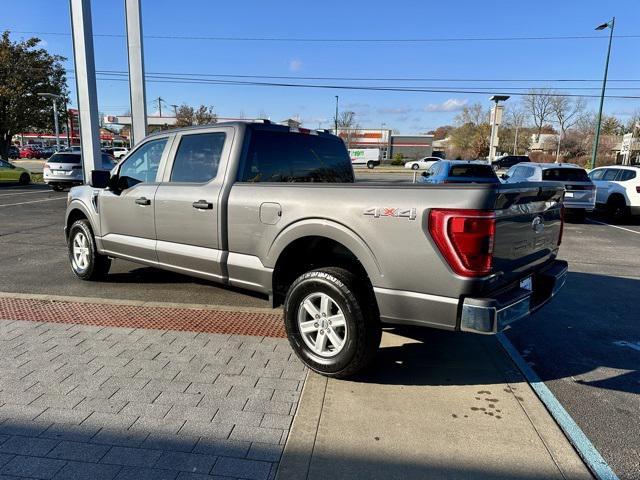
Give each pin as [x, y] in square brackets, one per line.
[578, 333]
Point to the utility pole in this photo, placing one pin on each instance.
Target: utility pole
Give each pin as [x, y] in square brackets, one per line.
[596, 140]
[336, 118]
[175, 110]
[53, 98]
[160, 100]
[515, 141]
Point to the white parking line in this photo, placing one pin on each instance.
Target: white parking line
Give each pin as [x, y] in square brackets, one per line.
[24, 193]
[613, 226]
[33, 201]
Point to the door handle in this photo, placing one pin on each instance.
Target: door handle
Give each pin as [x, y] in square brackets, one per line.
[202, 205]
[143, 201]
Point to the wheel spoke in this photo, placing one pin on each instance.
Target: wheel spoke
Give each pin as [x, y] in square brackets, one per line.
[321, 343]
[311, 308]
[309, 327]
[337, 320]
[325, 305]
[335, 340]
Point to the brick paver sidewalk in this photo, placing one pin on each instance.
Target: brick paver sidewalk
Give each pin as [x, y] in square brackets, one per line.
[92, 402]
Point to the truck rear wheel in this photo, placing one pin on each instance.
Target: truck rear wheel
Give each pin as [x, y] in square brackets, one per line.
[370, 165]
[330, 322]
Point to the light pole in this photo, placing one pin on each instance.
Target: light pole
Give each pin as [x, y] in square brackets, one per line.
[611, 24]
[496, 120]
[382, 155]
[53, 98]
[336, 118]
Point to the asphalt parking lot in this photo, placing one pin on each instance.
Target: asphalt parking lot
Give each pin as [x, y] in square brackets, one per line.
[585, 345]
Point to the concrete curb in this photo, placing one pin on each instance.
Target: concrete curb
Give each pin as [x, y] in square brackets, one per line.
[137, 303]
[298, 451]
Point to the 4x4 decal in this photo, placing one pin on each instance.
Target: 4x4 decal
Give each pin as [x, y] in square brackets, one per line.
[378, 212]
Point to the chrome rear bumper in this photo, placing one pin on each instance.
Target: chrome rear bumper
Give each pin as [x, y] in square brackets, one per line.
[491, 315]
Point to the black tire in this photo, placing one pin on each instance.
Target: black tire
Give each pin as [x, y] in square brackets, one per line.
[97, 265]
[617, 209]
[362, 322]
[415, 166]
[370, 165]
[25, 179]
[57, 188]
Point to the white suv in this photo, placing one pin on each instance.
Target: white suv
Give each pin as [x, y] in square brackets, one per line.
[119, 152]
[617, 190]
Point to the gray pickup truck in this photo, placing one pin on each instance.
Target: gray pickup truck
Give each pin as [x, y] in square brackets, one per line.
[276, 210]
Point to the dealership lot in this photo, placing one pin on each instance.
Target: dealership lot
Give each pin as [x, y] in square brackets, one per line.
[584, 345]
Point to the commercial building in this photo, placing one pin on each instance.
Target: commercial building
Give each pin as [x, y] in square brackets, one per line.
[409, 146]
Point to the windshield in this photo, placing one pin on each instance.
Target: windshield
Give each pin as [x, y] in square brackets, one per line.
[565, 175]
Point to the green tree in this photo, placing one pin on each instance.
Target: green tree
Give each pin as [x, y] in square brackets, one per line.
[25, 71]
[187, 116]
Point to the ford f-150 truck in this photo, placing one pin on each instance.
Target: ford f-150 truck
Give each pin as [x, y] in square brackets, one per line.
[276, 210]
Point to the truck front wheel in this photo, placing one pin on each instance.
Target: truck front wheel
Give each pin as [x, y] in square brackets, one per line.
[86, 262]
[330, 322]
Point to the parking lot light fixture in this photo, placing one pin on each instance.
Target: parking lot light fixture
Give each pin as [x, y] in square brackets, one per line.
[610, 24]
[53, 98]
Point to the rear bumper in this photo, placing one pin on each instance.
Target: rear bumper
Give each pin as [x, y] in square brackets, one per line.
[491, 315]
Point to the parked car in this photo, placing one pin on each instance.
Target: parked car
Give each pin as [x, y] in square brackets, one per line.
[617, 190]
[580, 191]
[504, 163]
[459, 171]
[9, 173]
[422, 164]
[64, 169]
[30, 151]
[73, 148]
[119, 152]
[46, 152]
[13, 152]
[276, 210]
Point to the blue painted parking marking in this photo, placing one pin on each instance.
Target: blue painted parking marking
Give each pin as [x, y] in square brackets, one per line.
[598, 465]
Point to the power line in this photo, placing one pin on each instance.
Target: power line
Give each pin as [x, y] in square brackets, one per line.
[340, 40]
[158, 79]
[373, 79]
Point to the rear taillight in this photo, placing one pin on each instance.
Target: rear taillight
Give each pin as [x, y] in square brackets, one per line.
[638, 189]
[465, 238]
[561, 224]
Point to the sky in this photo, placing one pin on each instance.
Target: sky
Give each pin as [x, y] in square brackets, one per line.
[470, 65]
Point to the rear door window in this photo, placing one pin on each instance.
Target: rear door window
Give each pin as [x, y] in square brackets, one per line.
[198, 157]
[280, 156]
[610, 174]
[565, 175]
[626, 175]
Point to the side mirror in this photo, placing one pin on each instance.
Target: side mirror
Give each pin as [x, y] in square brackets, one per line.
[100, 178]
[425, 174]
[504, 176]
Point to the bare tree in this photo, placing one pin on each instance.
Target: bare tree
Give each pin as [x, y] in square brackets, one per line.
[474, 114]
[205, 115]
[567, 111]
[538, 104]
[515, 117]
[347, 126]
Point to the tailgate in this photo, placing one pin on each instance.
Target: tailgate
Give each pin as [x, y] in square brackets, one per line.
[528, 226]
